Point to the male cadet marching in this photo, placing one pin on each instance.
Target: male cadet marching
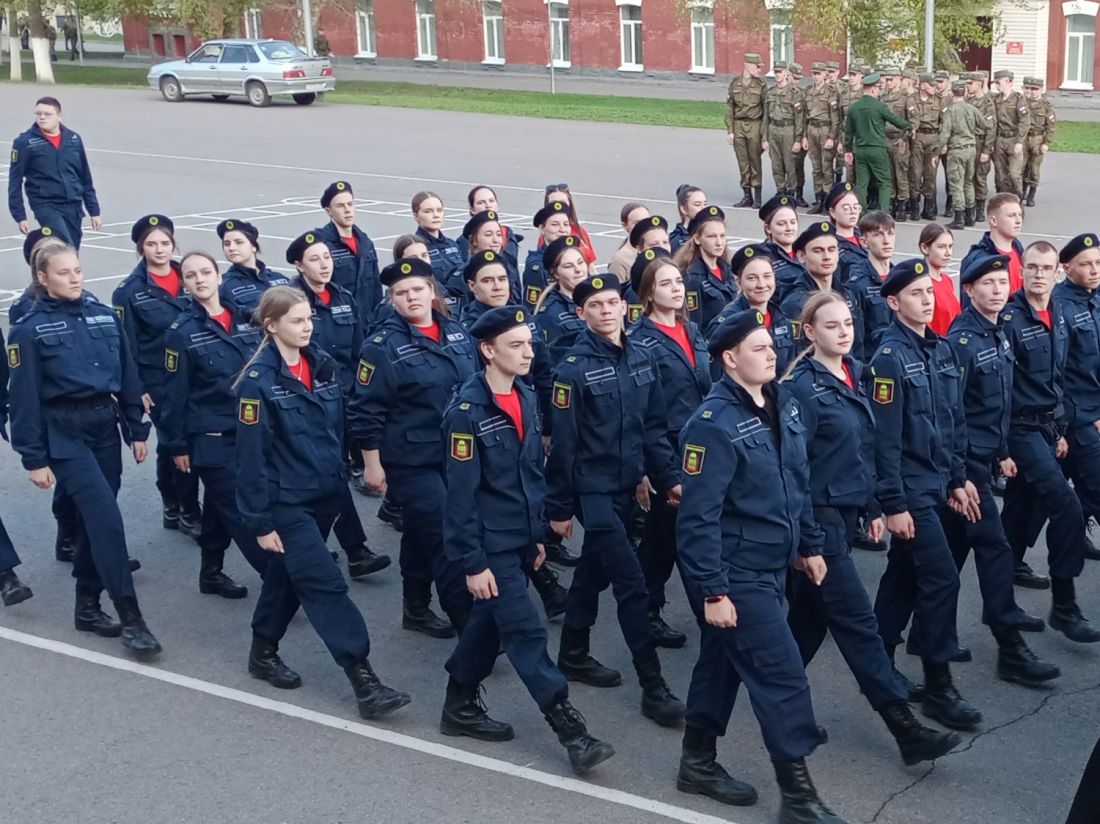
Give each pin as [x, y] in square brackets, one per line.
[354, 259]
[865, 139]
[962, 125]
[926, 146]
[822, 123]
[804, 85]
[744, 119]
[897, 141]
[980, 99]
[1040, 136]
[784, 124]
[1013, 124]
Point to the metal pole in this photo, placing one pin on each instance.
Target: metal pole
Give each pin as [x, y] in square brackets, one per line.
[929, 28]
[307, 22]
[550, 23]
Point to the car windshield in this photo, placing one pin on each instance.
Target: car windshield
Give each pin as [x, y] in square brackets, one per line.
[280, 50]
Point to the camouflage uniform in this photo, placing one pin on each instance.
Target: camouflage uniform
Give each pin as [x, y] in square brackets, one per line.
[897, 145]
[784, 124]
[963, 126]
[983, 102]
[927, 117]
[1040, 135]
[822, 125]
[744, 120]
[1013, 124]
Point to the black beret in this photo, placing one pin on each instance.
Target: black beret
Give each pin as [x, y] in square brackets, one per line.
[643, 260]
[837, 192]
[297, 248]
[819, 228]
[477, 221]
[733, 330]
[554, 250]
[334, 189]
[704, 215]
[35, 235]
[242, 226]
[497, 321]
[597, 283]
[772, 206]
[747, 253]
[550, 209]
[983, 266]
[642, 226]
[406, 268]
[902, 275]
[479, 261]
[151, 222]
[1077, 245]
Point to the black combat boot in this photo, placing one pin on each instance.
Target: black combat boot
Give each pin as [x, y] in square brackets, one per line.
[265, 664]
[960, 220]
[464, 713]
[416, 612]
[1018, 664]
[756, 199]
[916, 741]
[390, 513]
[658, 702]
[979, 212]
[914, 208]
[362, 562]
[948, 206]
[170, 510]
[1024, 576]
[746, 201]
[12, 590]
[585, 752]
[558, 554]
[65, 545]
[800, 803]
[576, 664]
[136, 637]
[212, 581]
[968, 217]
[819, 204]
[663, 634]
[1065, 615]
[701, 774]
[929, 212]
[1029, 199]
[552, 593]
[88, 617]
[800, 201]
[942, 701]
[375, 698]
[916, 691]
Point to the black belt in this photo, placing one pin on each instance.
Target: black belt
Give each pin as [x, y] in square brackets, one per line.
[928, 131]
[1041, 418]
[94, 402]
[819, 123]
[781, 123]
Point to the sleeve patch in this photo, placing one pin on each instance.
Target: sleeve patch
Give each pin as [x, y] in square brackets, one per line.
[171, 360]
[249, 412]
[121, 312]
[563, 395]
[14, 155]
[462, 446]
[13, 355]
[883, 390]
[533, 293]
[364, 373]
[692, 301]
[796, 329]
[693, 459]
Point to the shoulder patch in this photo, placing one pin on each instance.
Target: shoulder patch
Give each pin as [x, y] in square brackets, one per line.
[563, 395]
[249, 411]
[571, 359]
[364, 373]
[883, 390]
[796, 329]
[121, 312]
[533, 293]
[886, 350]
[171, 360]
[464, 406]
[13, 355]
[693, 458]
[253, 374]
[964, 340]
[707, 414]
[692, 301]
[462, 446]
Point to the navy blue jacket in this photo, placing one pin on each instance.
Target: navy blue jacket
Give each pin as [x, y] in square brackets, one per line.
[920, 446]
[787, 270]
[1081, 309]
[795, 299]
[610, 428]
[534, 277]
[713, 294]
[683, 385]
[510, 250]
[781, 328]
[403, 382]
[4, 372]
[496, 492]
[242, 288]
[63, 351]
[678, 236]
[146, 311]
[746, 501]
[851, 255]
[557, 318]
[356, 273]
[50, 176]
[865, 286]
[336, 329]
[199, 411]
[984, 248]
[290, 441]
[1037, 380]
[445, 257]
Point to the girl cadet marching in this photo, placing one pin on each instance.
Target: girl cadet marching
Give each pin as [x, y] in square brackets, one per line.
[338, 331]
[680, 354]
[12, 590]
[446, 257]
[147, 302]
[247, 277]
[780, 231]
[552, 221]
[290, 450]
[483, 198]
[690, 200]
[840, 431]
[745, 517]
[556, 313]
[559, 193]
[496, 490]
[704, 262]
[406, 374]
[74, 389]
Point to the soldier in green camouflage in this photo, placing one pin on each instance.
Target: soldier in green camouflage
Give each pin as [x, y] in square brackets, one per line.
[846, 93]
[1013, 124]
[784, 125]
[1039, 138]
[963, 126]
[897, 140]
[980, 99]
[804, 84]
[822, 125]
[744, 122]
[927, 118]
[943, 89]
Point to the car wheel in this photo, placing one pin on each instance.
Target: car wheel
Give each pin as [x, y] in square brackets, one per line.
[305, 98]
[221, 98]
[170, 89]
[257, 94]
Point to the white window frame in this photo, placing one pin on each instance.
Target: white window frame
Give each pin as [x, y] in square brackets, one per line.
[493, 23]
[559, 34]
[425, 23]
[1078, 10]
[706, 27]
[366, 33]
[637, 35]
[253, 23]
[787, 29]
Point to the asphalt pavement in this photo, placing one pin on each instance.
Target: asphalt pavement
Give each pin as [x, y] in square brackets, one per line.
[88, 735]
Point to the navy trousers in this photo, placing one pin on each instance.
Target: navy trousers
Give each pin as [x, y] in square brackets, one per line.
[65, 217]
[9, 558]
[176, 488]
[221, 521]
[348, 527]
[657, 549]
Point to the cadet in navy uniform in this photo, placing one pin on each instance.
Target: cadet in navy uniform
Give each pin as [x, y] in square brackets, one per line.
[556, 313]
[780, 232]
[49, 161]
[704, 262]
[492, 528]
[445, 256]
[1039, 335]
[290, 450]
[552, 221]
[483, 198]
[610, 429]
[985, 359]
[679, 352]
[864, 278]
[247, 277]
[74, 386]
[406, 374]
[12, 590]
[336, 330]
[354, 258]
[745, 517]
[690, 200]
[840, 432]
[147, 302]
[920, 452]
[485, 233]
[843, 207]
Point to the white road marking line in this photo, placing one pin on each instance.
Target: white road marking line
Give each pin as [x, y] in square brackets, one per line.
[379, 734]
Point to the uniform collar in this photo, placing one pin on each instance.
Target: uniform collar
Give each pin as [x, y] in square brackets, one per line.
[601, 346]
[976, 322]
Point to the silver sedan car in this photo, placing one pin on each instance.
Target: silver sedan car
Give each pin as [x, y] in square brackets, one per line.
[255, 69]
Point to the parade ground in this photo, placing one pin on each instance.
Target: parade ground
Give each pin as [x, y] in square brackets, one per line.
[89, 735]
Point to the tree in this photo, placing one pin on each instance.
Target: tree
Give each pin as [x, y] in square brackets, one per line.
[40, 46]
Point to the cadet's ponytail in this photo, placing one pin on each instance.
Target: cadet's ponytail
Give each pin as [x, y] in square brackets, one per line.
[275, 303]
[814, 304]
[40, 258]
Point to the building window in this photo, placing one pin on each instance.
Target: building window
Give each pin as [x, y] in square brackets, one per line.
[630, 30]
[425, 30]
[559, 36]
[782, 35]
[702, 39]
[493, 15]
[365, 33]
[253, 28]
[1080, 50]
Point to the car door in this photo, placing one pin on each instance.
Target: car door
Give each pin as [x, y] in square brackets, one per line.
[199, 74]
[233, 69]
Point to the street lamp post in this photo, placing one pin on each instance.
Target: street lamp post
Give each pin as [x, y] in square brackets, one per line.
[929, 28]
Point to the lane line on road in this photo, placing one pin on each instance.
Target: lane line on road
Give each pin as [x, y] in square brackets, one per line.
[384, 736]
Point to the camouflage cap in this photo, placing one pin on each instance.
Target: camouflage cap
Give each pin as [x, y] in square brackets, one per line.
[754, 58]
[857, 67]
[1003, 74]
[890, 71]
[911, 74]
[942, 75]
[832, 65]
[926, 77]
[796, 69]
[959, 86]
[981, 75]
[1033, 83]
[779, 64]
[818, 66]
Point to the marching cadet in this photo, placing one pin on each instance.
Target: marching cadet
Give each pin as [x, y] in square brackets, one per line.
[783, 128]
[1039, 136]
[1005, 217]
[406, 374]
[843, 208]
[865, 140]
[840, 431]
[74, 388]
[484, 232]
[920, 450]
[609, 430]
[446, 257]
[744, 121]
[927, 119]
[247, 277]
[985, 360]
[877, 231]
[483, 198]
[1013, 124]
[704, 262]
[690, 200]
[780, 231]
[559, 193]
[556, 313]
[983, 102]
[745, 519]
[629, 217]
[354, 258]
[897, 141]
[12, 590]
[960, 130]
[822, 123]
[847, 93]
[804, 86]
[937, 243]
[494, 473]
[290, 449]
[552, 221]
[650, 233]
